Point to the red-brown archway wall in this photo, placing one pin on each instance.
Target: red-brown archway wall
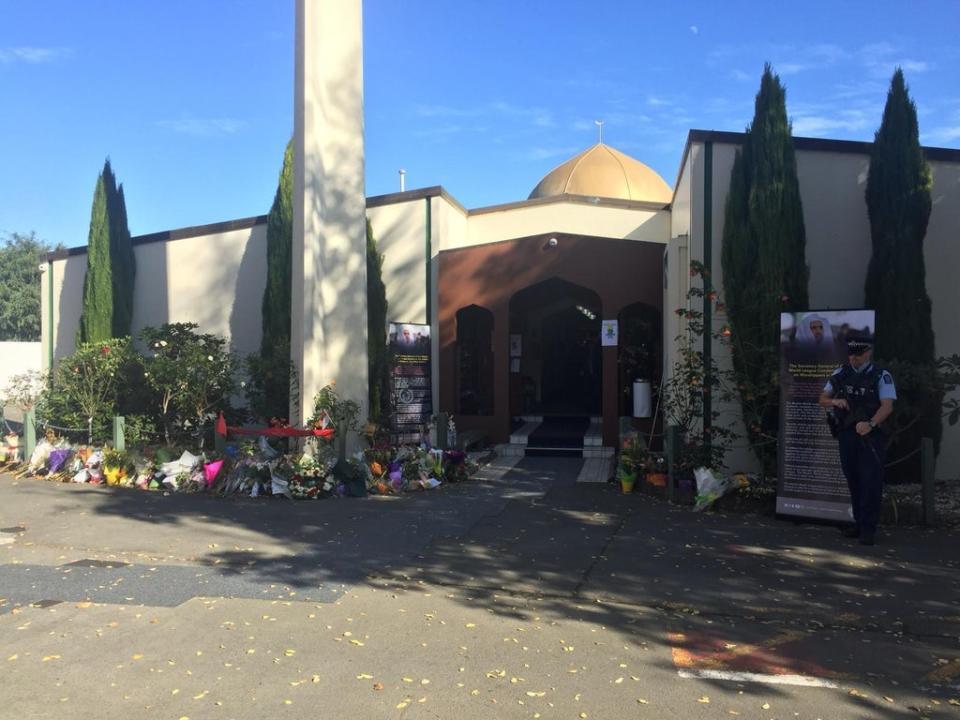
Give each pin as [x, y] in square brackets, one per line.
[621, 272]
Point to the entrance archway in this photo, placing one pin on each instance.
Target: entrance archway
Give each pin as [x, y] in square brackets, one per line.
[555, 358]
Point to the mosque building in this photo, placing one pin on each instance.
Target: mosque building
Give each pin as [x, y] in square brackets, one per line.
[515, 295]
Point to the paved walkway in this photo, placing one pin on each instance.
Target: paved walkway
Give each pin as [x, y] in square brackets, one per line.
[479, 587]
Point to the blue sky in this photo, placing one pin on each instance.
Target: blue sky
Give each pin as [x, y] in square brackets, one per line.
[192, 99]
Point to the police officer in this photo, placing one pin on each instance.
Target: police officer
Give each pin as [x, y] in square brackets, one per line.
[860, 396]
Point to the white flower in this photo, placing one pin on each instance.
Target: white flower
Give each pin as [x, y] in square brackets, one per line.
[243, 384]
[163, 343]
[210, 358]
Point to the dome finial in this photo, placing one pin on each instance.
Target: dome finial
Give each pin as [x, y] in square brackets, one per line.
[599, 124]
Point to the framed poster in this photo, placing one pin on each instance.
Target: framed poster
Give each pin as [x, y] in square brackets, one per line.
[609, 332]
[810, 482]
[516, 345]
[411, 394]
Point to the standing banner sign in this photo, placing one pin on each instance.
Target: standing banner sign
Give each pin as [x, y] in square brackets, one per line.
[812, 345]
[411, 396]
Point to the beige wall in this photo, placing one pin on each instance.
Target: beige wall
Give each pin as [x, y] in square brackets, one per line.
[17, 358]
[400, 231]
[214, 280]
[567, 217]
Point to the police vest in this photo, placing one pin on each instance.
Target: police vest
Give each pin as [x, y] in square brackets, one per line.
[860, 391]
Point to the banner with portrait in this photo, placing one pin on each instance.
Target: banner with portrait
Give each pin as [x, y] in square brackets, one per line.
[812, 345]
[411, 393]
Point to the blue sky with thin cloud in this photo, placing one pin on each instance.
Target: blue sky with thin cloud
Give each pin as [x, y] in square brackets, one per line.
[193, 99]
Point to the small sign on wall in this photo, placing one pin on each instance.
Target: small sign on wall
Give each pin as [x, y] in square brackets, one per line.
[516, 345]
[609, 332]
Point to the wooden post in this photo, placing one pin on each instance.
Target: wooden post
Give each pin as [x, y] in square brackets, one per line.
[927, 476]
[29, 435]
[119, 441]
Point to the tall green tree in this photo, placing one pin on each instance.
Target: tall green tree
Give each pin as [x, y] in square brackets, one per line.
[899, 204]
[111, 267]
[764, 258]
[20, 257]
[122, 260]
[270, 373]
[96, 315]
[376, 331]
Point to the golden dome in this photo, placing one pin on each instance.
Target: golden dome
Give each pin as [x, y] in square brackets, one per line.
[601, 171]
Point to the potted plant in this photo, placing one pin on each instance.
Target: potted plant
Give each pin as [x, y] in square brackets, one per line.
[634, 457]
[117, 467]
[656, 470]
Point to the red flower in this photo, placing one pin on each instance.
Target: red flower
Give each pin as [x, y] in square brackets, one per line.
[105, 349]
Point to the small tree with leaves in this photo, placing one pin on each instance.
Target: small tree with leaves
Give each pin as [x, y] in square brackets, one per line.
[691, 380]
[192, 375]
[88, 383]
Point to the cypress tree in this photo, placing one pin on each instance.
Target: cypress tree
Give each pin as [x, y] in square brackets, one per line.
[123, 263]
[899, 204]
[764, 258]
[274, 366]
[376, 330]
[96, 317]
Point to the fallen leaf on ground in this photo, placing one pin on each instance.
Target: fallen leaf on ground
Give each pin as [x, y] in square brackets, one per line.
[704, 699]
[364, 676]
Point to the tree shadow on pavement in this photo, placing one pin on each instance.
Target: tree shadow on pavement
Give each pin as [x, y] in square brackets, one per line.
[722, 591]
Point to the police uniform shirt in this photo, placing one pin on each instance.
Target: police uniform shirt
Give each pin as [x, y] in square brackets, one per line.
[886, 390]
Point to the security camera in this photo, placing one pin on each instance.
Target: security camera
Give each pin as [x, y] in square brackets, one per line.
[42, 267]
[552, 242]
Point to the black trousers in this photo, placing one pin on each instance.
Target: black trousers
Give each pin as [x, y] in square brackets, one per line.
[861, 457]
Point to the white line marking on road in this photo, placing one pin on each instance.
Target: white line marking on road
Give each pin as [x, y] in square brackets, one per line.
[732, 676]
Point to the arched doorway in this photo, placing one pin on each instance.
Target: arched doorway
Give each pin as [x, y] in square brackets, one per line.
[555, 359]
[474, 366]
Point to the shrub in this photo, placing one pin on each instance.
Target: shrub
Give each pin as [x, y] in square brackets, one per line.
[192, 375]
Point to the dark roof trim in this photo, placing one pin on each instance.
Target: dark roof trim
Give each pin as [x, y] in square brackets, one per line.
[855, 147]
[561, 236]
[178, 234]
[411, 195]
[575, 199]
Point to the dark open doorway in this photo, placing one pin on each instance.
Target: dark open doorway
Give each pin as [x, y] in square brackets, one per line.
[555, 359]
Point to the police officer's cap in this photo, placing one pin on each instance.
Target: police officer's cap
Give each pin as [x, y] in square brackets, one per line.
[859, 344]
